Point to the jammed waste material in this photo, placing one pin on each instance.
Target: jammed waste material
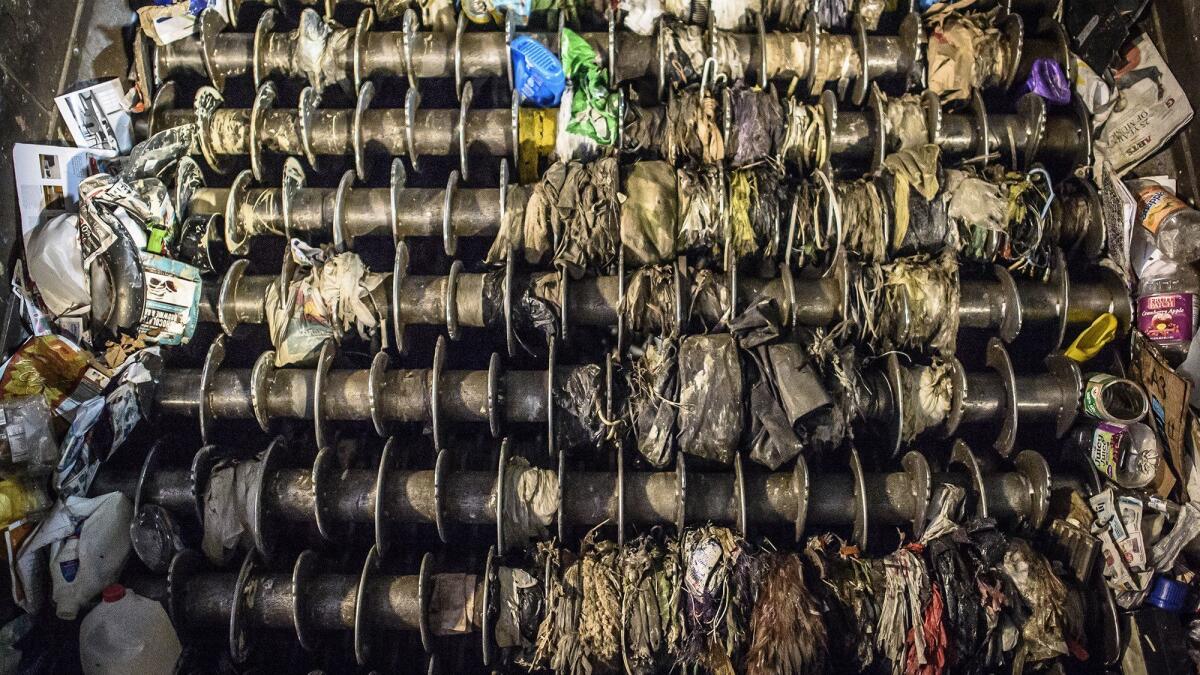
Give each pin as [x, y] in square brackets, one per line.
[750, 337]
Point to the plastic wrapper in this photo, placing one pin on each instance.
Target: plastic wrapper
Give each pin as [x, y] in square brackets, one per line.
[25, 433]
[56, 368]
[155, 537]
[103, 423]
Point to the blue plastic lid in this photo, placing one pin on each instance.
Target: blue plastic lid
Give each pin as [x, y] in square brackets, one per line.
[1168, 594]
[537, 73]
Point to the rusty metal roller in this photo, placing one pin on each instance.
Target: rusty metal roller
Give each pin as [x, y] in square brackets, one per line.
[997, 402]
[350, 212]
[315, 603]
[333, 498]
[415, 54]
[856, 139]
[993, 399]
[1000, 306]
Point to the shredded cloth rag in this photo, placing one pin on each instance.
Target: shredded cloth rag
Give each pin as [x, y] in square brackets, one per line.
[788, 634]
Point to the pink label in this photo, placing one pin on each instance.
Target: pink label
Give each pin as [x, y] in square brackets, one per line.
[1166, 317]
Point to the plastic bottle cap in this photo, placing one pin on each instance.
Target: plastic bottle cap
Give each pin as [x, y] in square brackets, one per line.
[1168, 594]
[113, 592]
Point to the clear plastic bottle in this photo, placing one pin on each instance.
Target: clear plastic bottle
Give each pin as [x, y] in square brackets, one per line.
[127, 634]
[1174, 224]
[1167, 307]
[1127, 454]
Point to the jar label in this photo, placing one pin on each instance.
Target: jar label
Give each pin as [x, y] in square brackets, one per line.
[1166, 317]
[1156, 204]
[1106, 447]
[1093, 395]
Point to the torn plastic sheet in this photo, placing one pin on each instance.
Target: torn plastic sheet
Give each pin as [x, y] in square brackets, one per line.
[654, 401]
[914, 174]
[328, 295]
[699, 223]
[230, 509]
[585, 220]
[758, 324]
[965, 52]
[687, 47]
[103, 423]
[692, 133]
[905, 122]
[316, 49]
[710, 399]
[928, 289]
[579, 404]
[650, 612]
[1044, 631]
[926, 230]
[521, 604]
[648, 214]
[977, 208]
[787, 628]
[758, 127]
[773, 440]
[82, 546]
[649, 302]
[530, 502]
[157, 155]
[846, 587]
[537, 312]
[452, 605]
[755, 211]
[438, 16]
